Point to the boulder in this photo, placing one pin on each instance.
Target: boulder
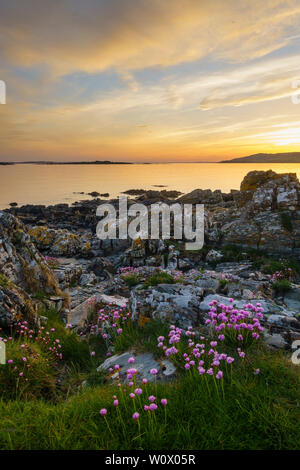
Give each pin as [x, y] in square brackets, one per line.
[23, 271]
[143, 363]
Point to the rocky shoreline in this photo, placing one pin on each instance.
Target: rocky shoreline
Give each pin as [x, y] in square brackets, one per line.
[50, 256]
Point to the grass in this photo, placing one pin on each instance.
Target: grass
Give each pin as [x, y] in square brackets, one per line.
[286, 222]
[141, 339]
[159, 278]
[281, 286]
[132, 280]
[256, 412]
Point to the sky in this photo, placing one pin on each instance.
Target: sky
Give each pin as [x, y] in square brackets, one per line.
[149, 81]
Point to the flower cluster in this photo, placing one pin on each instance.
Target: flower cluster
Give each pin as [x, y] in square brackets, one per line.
[286, 273]
[131, 399]
[28, 348]
[202, 358]
[109, 322]
[236, 324]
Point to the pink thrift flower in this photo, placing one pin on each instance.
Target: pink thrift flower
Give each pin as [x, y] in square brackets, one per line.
[135, 415]
[103, 411]
[164, 401]
[152, 407]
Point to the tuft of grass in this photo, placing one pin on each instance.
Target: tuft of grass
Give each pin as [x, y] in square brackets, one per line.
[281, 286]
[286, 221]
[4, 281]
[141, 339]
[132, 280]
[74, 350]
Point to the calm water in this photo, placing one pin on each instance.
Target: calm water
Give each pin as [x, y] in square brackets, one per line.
[52, 184]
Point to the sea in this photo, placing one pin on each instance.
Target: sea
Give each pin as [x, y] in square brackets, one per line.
[54, 184]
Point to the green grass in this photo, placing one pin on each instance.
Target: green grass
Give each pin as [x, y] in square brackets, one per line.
[132, 280]
[4, 281]
[286, 221]
[258, 412]
[141, 339]
[281, 286]
[255, 412]
[158, 278]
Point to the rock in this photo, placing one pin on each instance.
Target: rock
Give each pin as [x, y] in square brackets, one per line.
[213, 255]
[276, 340]
[143, 364]
[292, 299]
[255, 179]
[101, 267]
[169, 302]
[87, 278]
[59, 242]
[23, 271]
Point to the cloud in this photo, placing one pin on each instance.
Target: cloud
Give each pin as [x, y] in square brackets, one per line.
[133, 34]
[268, 81]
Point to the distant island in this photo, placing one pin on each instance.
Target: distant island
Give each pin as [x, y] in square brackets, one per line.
[289, 157]
[96, 162]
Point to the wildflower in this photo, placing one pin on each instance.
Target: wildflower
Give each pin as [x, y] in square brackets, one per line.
[116, 402]
[131, 360]
[135, 415]
[164, 401]
[138, 391]
[256, 372]
[93, 353]
[152, 407]
[146, 408]
[10, 361]
[153, 371]
[144, 381]
[132, 395]
[219, 375]
[103, 411]
[229, 360]
[210, 372]
[152, 398]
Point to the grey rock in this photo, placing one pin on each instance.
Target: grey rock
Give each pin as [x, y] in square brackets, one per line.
[143, 364]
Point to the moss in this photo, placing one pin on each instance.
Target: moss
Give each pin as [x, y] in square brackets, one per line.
[4, 281]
